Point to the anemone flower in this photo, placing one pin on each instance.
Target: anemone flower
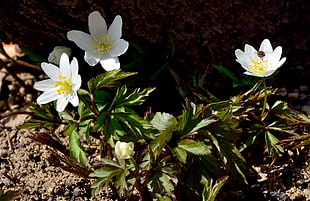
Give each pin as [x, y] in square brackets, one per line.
[103, 44]
[262, 63]
[62, 85]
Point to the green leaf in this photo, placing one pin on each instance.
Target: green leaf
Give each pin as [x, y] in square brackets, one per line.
[211, 189]
[125, 98]
[105, 172]
[193, 119]
[34, 57]
[76, 149]
[70, 128]
[162, 198]
[161, 181]
[181, 154]
[101, 121]
[9, 195]
[194, 147]
[108, 79]
[105, 175]
[272, 146]
[227, 72]
[162, 121]
[43, 115]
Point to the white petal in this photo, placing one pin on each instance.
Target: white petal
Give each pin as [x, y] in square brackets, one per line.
[268, 73]
[275, 57]
[74, 100]
[64, 66]
[77, 81]
[62, 102]
[81, 39]
[280, 62]
[44, 85]
[47, 96]
[119, 47]
[115, 29]
[253, 74]
[91, 58]
[110, 64]
[51, 70]
[265, 46]
[241, 56]
[74, 68]
[96, 24]
[239, 53]
[250, 50]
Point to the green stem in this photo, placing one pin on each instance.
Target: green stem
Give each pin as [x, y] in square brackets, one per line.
[265, 98]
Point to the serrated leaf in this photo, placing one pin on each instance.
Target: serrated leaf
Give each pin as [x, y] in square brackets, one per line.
[167, 184]
[181, 154]
[105, 172]
[194, 147]
[9, 195]
[162, 121]
[76, 150]
[125, 98]
[105, 175]
[108, 79]
[271, 142]
[211, 190]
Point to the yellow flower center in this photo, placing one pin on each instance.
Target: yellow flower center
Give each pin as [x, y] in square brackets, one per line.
[65, 86]
[102, 45]
[259, 66]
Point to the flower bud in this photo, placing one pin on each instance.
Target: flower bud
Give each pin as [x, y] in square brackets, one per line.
[54, 56]
[124, 150]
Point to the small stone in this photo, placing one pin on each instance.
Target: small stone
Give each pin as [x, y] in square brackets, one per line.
[293, 96]
[306, 108]
[304, 88]
[3, 153]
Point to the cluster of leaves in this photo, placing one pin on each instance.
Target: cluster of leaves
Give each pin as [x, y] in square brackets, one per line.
[176, 157]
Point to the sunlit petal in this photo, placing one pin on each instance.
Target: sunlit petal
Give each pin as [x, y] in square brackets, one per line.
[115, 29]
[47, 96]
[62, 102]
[81, 39]
[96, 24]
[64, 65]
[51, 70]
[110, 64]
[265, 46]
[119, 48]
[92, 58]
[44, 85]
[74, 100]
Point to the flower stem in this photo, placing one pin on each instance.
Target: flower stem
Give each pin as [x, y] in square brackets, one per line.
[265, 98]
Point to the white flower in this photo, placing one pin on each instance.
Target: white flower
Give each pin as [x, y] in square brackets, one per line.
[124, 150]
[54, 56]
[101, 45]
[62, 85]
[260, 63]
